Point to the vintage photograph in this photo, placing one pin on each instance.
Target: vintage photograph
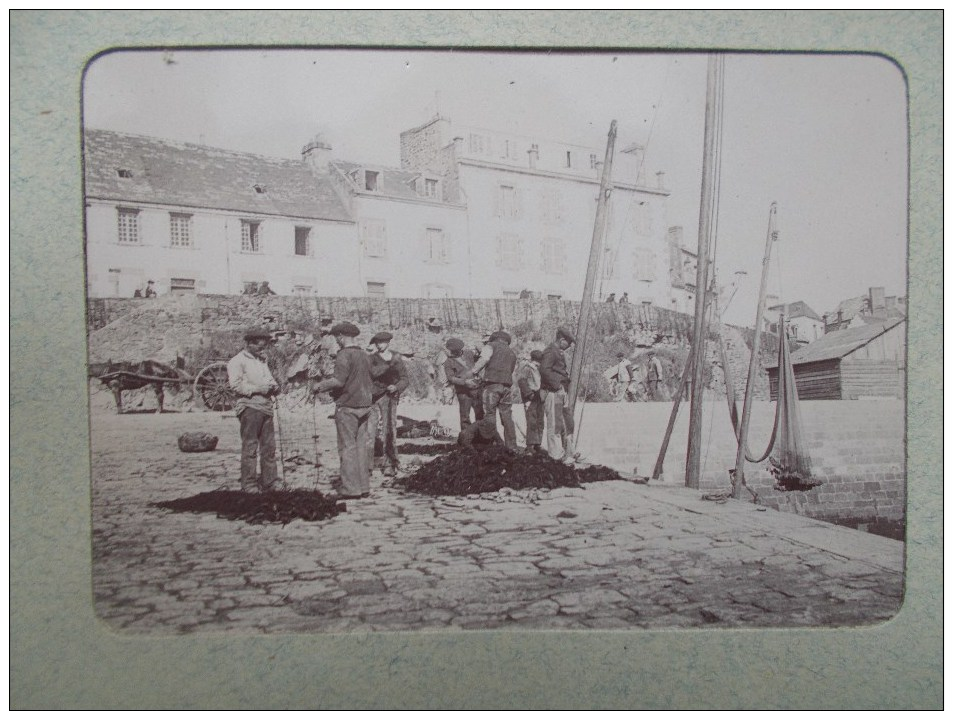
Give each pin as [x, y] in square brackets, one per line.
[395, 339]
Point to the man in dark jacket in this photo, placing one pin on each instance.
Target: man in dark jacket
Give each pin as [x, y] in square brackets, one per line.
[351, 388]
[554, 382]
[497, 361]
[389, 376]
[468, 392]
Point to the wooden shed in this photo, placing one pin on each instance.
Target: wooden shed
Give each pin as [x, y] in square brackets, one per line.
[852, 364]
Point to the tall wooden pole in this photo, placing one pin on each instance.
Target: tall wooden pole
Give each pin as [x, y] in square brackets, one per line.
[753, 364]
[705, 212]
[592, 271]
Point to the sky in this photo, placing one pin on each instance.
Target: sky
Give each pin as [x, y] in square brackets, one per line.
[824, 136]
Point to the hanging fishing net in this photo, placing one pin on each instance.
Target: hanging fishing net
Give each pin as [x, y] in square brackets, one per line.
[787, 455]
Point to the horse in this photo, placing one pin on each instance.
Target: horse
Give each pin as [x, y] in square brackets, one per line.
[132, 376]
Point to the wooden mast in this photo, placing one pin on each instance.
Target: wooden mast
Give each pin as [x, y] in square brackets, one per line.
[592, 272]
[738, 482]
[706, 211]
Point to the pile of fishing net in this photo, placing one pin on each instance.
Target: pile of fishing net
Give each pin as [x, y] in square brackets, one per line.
[469, 470]
[425, 449]
[268, 507]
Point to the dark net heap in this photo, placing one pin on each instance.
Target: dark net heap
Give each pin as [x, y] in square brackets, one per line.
[481, 470]
[269, 507]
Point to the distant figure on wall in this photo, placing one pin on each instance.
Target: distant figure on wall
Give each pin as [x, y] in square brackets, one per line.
[150, 292]
[265, 290]
[137, 294]
[624, 299]
[526, 294]
[611, 299]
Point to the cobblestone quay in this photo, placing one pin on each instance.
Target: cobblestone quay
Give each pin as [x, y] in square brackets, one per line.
[611, 555]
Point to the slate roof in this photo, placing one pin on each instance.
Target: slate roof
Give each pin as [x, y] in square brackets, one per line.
[837, 344]
[390, 181]
[195, 176]
[798, 308]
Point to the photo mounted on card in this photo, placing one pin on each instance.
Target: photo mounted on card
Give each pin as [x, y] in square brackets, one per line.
[416, 340]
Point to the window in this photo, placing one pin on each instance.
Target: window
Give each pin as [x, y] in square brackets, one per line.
[374, 238]
[479, 144]
[376, 290]
[128, 225]
[593, 161]
[644, 264]
[181, 285]
[509, 251]
[180, 230]
[569, 159]
[554, 256]
[642, 219]
[251, 236]
[438, 291]
[124, 173]
[508, 205]
[551, 200]
[438, 248]
[303, 241]
[370, 179]
[430, 188]
[301, 290]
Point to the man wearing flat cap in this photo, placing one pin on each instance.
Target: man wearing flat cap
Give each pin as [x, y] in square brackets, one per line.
[351, 388]
[251, 378]
[467, 391]
[529, 383]
[497, 361]
[389, 380]
[554, 382]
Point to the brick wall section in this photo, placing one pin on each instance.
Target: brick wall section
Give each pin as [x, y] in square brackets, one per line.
[856, 447]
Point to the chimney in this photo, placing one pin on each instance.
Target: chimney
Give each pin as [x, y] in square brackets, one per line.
[878, 304]
[661, 179]
[533, 153]
[317, 154]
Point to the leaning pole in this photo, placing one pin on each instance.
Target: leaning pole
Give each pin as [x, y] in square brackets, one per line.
[592, 272]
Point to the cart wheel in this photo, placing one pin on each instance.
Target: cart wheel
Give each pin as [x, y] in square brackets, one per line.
[211, 385]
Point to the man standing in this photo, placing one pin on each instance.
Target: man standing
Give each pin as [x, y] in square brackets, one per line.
[389, 380]
[653, 377]
[554, 378]
[265, 290]
[351, 386]
[497, 361]
[250, 377]
[150, 292]
[530, 384]
[467, 390]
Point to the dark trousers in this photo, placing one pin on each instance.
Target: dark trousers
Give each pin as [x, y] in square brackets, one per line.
[468, 402]
[498, 397]
[382, 447]
[258, 436]
[534, 421]
[354, 444]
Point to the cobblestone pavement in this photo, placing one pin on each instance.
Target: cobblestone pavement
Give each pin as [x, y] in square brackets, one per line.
[612, 555]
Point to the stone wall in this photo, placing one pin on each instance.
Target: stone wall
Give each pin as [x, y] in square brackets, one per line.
[856, 448]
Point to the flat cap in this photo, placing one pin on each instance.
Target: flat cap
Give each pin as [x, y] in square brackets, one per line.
[563, 332]
[454, 345]
[501, 336]
[382, 336]
[257, 334]
[536, 355]
[345, 328]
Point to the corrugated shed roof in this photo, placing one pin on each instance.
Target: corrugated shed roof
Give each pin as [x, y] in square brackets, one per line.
[390, 181]
[798, 308]
[194, 176]
[838, 344]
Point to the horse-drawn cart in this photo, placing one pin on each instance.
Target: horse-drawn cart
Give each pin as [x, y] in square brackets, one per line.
[209, 386]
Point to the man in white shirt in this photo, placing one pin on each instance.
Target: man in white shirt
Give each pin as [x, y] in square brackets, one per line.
[250, 377]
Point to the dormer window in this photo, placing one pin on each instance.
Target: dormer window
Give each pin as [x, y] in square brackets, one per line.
[124, 172]
[370, 179]
[259, 188]
[430, 188]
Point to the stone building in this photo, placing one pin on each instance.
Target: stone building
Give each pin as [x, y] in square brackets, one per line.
[469, 213]
[531, 208]
[192, 218]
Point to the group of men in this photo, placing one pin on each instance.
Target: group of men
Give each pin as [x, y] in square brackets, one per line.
[366, 388]
[485, 387]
